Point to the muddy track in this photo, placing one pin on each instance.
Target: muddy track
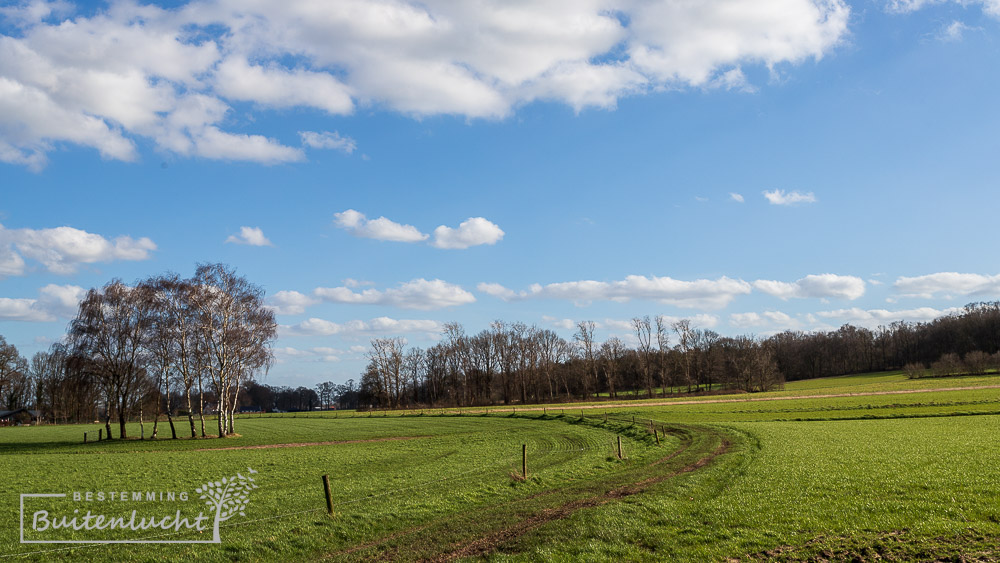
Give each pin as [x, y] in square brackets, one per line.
[491, 542]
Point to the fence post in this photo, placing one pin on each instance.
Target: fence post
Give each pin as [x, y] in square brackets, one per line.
[657, 436]
[524, 461]
[620, 456]
[329, 495]
[100, 434]
[84, 437]
[633, 420]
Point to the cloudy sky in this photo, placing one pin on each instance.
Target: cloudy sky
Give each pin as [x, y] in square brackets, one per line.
[382, 167]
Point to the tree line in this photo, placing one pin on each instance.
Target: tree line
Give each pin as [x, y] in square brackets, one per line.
[164, 345]
[515, 363]
[189, 346]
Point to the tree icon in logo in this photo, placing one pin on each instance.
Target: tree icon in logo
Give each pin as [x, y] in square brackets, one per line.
[229, 497]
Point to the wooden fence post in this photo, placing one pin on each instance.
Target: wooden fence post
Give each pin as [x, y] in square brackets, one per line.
[84, 437]
[329, 495]
[524, 461]
[100, 434]
[620, 456]
[657, 436]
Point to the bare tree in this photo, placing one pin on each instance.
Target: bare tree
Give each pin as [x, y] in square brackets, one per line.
[13, 375]
[685, 333]
[112, 329]
[585, 339]
[643, 332]
[612, 352]
[237, 330]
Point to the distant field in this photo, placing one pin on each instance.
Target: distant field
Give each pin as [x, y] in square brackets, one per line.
[907, 476]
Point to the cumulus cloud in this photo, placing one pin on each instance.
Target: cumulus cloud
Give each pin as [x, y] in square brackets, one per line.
[872, 318]
[290, 302]
[252, 236]
[705, 294]
[328, 140]
[53, 302]
[772, 319]
[358, 225]
[315, 354]
[474, 231]
[947, 283]
[820, 286]
[358, 328]
[471, 232]
[62, 249]
[780, 197]
[132, 71]
[415, 294]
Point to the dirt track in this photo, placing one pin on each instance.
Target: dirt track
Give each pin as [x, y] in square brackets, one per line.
[491, 542]
[644, 403]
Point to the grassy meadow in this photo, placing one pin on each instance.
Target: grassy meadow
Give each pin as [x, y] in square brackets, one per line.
[821, 472]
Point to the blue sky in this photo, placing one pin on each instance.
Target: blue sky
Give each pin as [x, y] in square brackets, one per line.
[591, 149]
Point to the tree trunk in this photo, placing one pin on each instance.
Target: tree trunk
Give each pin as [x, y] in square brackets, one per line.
[187, 392]
[170, 417]
[201, 407]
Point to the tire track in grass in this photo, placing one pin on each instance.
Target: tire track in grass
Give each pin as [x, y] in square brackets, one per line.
[491, 542]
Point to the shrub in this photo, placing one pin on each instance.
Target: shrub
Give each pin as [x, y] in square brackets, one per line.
[914, 370]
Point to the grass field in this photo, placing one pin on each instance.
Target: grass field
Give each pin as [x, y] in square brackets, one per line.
[908, 476]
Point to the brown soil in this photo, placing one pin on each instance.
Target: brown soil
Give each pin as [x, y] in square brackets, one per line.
[304, 444]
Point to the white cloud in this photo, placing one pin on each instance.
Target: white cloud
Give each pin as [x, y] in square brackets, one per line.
[955, 31]
[565, 324]
[706, 294]
[816, 286]
[316, 354]
[415, 294]
[780, 197]
[991, 7]
[624, 326]
[872, 318]
[291, 302]
[378, 326]
[132, 71]
[358, 225]
[53, 302]
[736, 197]
[471, 232]
[62, 249]
[328, 140]
[252, 236]
[948, 283]
[771, 319]
[273, 86]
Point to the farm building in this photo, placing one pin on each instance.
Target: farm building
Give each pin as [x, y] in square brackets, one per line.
[19, 417]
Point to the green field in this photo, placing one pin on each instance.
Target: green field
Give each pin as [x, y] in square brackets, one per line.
[905, 476]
